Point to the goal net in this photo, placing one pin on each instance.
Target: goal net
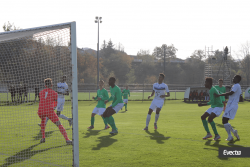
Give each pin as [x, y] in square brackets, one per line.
[27, 57]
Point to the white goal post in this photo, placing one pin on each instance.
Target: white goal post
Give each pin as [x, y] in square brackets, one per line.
[27, 57]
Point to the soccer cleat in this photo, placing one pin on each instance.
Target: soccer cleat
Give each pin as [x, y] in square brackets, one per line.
[126, 110]
[69, 142]
[106, 127]
[217, 137]
[230, 138]
[42, 140]
[155, 126]
[70, 121]
[146, 128]
[39, 125]
[91, 127]
[113, 131]
[207, 136]
[236, 134]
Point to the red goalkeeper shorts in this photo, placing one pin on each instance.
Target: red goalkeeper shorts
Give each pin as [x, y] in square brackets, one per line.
[50, 114]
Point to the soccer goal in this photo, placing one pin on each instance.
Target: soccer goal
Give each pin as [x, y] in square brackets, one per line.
[27, 58]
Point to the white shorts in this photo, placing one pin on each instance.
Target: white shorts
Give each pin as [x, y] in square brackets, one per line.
[118, 107]
[230, 111]
[125, 100]
[60, 104]
[156, 104]
[216, 110]
[98, 111]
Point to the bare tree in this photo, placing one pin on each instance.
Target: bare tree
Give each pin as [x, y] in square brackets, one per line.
[244, 60]
[10, 27]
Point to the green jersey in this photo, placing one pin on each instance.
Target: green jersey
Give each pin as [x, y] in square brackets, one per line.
[221, 90]
[214, 101]
[104, 95]
[125, 93]
[116, 95]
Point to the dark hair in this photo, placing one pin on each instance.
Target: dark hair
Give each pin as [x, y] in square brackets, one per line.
[161, 74]
[221, 80]
[210, 80]
[238, 77]
[112, 78]
[48, 82]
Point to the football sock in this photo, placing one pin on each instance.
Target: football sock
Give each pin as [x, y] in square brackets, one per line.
[104, 120]
[43, 127]
[205, 124]
[63, 132]
[148, 119]
[231, 128]
[112, 122]
[92, 121]
[156, 117]
[125, 106]
[227, 127]
[47, 119]
[63, 117]
[214, 127]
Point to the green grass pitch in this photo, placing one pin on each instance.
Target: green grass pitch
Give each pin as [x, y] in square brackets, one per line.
[177, 142]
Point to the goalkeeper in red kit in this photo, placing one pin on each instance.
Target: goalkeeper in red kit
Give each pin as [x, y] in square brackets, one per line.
[48, 99]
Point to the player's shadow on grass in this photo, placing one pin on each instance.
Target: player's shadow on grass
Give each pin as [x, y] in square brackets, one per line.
[91, 133]
[105, 141]
[221, 125]
[123, 112]
[217, 144]
[24, 155]
[157, 136]
[47, 134]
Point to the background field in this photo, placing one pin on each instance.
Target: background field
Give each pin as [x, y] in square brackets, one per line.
[177, 142]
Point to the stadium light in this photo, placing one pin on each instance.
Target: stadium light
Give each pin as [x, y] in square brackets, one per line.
[98, 20]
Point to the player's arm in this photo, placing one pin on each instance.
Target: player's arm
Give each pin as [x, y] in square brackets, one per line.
[95, 98]
[152, 94]
[224, 94]
[129, 93]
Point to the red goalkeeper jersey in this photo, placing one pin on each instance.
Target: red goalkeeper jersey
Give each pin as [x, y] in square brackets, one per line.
[48, 97]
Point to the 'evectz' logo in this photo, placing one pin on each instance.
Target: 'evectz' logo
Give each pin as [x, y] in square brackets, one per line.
[235, 152]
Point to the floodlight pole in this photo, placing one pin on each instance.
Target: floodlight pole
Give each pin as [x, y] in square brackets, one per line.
[98, 20]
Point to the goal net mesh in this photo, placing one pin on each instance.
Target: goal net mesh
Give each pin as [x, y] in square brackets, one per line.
[27, 57]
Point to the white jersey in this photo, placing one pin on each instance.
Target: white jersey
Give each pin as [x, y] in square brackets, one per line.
[62, 88]
[234, 98]
[160, 89]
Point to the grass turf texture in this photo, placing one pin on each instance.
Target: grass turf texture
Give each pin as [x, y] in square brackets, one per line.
[177, 142]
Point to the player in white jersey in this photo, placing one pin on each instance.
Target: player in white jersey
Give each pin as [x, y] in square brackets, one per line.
[62, 89]
[232, 107]
[159, 89]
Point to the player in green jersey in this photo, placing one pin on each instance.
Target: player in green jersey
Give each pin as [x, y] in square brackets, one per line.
[221, 89]
[102, 95]
[117, 104]
[214, 111]
[125, 94]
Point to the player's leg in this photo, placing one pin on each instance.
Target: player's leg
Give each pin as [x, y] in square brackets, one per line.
[148, 117]
[100, 112]
[157, 114]
[230, 113]
[211, 121]
[54, 118]
[205, 124]
[109, 118]
[92, 121]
